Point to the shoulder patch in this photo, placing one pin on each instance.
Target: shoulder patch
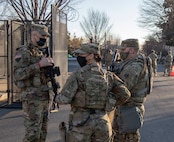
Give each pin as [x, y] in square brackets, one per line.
[19, 52]
[22, 48]
[18, 57]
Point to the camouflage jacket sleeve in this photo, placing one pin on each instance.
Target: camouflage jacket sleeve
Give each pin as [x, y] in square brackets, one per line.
[117, 86]
[68, 91]
[23, 68]
[169, 58]
[131, 74]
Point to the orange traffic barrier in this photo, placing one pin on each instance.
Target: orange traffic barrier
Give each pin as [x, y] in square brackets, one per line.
[172, 71]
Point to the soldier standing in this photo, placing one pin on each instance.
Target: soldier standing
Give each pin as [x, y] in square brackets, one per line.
[154, 58]
[87, 90]
[134, 73]
[29, 76]
[108, 59]
[168, 63]
[115, 60]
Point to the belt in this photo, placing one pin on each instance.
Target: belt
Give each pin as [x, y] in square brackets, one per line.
[90, 110]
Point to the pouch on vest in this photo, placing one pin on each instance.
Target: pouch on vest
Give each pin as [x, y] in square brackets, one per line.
[130, 119]
[80, 118]
[110, 102]
[20, 84]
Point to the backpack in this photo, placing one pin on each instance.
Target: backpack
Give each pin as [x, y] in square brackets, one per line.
[147, 61]
[148, 66]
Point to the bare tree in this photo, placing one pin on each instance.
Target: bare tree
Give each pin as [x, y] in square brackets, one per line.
[158, 16]
[152, 43]
[95, 25]
[168, 28]
[38, 10]
[152, 15]
[116, 39]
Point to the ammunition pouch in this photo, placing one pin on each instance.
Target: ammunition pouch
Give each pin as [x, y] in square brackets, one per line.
[110, 102]
[22, 83]
[31, 92]
[130, 119]
[80, 118]
[35, 81]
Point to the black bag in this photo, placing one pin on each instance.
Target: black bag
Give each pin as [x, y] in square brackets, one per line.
[130, 119]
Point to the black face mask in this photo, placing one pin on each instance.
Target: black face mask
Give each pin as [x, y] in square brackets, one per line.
[81, 60]
[41, 42]
[124, 55]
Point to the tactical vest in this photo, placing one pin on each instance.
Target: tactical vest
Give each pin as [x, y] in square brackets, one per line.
[144, 78]
[92, 91]
[29, 55]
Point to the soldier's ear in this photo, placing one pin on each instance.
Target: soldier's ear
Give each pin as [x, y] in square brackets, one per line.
[130, 50]
[91, 56]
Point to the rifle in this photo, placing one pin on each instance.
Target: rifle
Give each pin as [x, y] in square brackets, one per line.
[50, 72]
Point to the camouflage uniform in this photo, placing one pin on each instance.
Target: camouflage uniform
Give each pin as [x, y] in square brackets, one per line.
[87, 91]
[168, 63]
[154, 58]
[30, 78]
[135, 75]
[108, 59]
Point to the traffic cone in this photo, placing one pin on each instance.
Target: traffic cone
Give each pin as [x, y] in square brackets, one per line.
[172, 71]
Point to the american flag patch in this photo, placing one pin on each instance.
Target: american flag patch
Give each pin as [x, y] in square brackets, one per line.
[18, 57]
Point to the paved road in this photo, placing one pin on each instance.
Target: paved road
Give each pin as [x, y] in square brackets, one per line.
[159, 116]
[158, 125]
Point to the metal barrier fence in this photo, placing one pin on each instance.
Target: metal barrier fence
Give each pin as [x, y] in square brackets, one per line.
[4, 62]
[15, 33]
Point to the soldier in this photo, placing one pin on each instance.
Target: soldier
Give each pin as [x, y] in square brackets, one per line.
[154, 58]
[134, 73]
[115, 59]
[108, 59]
[29, 76]
[168, 63]
[87, 90]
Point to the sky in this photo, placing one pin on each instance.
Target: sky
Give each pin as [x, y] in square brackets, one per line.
[123, 15]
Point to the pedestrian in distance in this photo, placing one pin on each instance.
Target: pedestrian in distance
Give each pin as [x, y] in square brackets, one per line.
[29, 75]
[168, 64]
[92, 92]
[154, 58]
[128, 118]
[108, 59]
[115, 60]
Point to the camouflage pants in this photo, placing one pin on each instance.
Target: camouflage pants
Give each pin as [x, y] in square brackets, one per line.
[167, 69]
[96, 128]
[126, 137]
[108, 64]
[154, 69]
[35, 120]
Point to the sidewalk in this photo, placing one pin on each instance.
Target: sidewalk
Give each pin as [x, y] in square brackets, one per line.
[159, 115]
[11, 124]
[158, 125]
